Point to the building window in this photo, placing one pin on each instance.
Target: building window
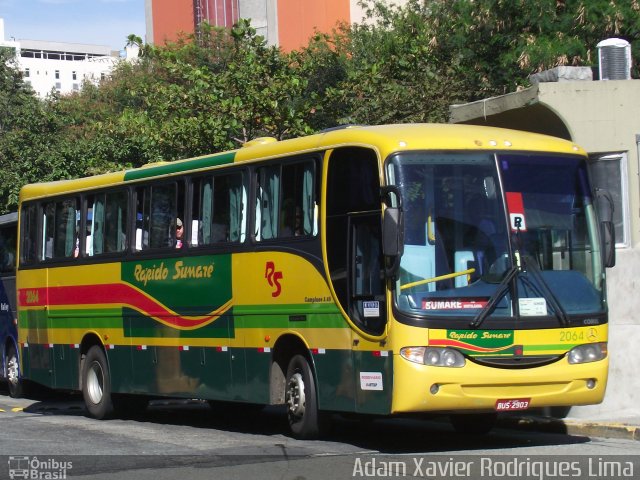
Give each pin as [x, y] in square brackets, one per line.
[58, 87]
[57, 74]
[609, 172]
[27, 73]
[74, 75]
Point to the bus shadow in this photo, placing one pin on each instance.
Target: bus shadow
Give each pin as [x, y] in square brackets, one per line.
[384, 435]
[408, 435]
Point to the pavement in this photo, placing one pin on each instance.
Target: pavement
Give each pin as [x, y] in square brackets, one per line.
[627, 428]
[624, 428]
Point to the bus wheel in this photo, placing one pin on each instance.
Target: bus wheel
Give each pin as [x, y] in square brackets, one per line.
[474, 423]
[96, 384]
[13, 373]
[301, 400]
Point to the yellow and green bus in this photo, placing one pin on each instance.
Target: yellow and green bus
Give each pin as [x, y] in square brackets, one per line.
[399, 269]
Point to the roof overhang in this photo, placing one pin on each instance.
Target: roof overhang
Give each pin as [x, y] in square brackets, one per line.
[522, 110]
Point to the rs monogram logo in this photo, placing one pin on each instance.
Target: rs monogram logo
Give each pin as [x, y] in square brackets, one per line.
[273, 278]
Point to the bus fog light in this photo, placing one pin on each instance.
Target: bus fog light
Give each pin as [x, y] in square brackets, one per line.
[435, 388]
[590, 352]
[591, 383]
[434, 356]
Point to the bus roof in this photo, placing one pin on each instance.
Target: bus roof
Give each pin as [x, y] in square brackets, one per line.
[385, 139]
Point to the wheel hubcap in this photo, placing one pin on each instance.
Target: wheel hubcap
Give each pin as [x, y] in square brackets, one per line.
[295, 395]
[13, 370]
[95, 382]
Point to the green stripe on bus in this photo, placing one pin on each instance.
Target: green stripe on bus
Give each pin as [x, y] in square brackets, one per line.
[180, 166]
[84, 318]
[291, 309]
[286, 321]
[254, 316]
[560, 346]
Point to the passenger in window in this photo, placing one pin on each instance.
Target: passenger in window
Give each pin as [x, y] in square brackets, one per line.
[180, 242]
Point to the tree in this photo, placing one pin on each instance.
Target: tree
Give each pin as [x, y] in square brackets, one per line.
[29, 131]
[410, 63]
[502, 42]
[386, 69]
[199, 95]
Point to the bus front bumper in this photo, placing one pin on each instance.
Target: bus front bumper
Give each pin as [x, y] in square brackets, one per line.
[474, 387]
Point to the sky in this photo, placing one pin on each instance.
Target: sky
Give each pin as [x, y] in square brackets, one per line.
[95, 22]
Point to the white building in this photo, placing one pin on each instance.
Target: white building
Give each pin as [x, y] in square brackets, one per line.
[61, 67]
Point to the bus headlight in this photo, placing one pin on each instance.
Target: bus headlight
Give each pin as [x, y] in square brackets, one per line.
[433, 356]
[590, 352]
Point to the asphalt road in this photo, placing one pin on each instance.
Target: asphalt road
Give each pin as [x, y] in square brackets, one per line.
[52, 437]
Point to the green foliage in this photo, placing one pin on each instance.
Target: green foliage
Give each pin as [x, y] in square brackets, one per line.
[391, 71]
[502, 42]
[201, 94]
[29, 145]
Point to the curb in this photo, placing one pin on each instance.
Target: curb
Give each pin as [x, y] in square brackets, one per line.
[573, 427]
[603, 429]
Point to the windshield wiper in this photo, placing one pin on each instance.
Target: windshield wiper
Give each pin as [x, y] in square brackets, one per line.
[501, 291]
[530, 265]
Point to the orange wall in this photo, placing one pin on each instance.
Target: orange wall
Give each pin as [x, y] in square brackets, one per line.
[170, 17]
[298, 19]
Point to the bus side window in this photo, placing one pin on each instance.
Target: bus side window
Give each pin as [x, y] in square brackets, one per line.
[286, 203]
[156, 215]
[218, 208]
[115, 226]
[29, 234]
[298, 207]
[268, 203]
[8, 250]
[61, 220]
[106, 223]
[237, 195]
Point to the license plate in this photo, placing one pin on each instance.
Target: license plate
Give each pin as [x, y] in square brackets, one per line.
[512, 404]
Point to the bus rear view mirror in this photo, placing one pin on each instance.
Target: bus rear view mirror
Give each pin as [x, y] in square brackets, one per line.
[608, 244]
[392, 238]
[605, 208]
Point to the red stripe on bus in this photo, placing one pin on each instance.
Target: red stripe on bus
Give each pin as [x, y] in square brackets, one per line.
[107, 294]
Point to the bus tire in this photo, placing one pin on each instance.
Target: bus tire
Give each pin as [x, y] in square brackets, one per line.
[14, 381]
[473, 423]
[96, 384]
[301, 400]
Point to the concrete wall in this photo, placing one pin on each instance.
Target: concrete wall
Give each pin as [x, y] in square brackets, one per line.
[603, 117]
[299, 19]
[169, 18]
[287, 23]
[263, 14]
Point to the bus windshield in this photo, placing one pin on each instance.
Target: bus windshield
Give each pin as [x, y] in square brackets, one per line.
[515, 230]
